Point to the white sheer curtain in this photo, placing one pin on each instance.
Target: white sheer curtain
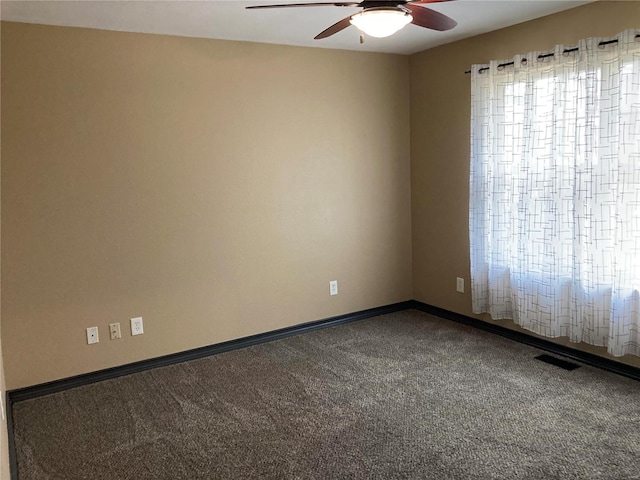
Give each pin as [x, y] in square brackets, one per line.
[554, 214]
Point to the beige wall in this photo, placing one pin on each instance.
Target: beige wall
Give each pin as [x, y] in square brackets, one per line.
[213, 188]
[440, 112]
[4, 444]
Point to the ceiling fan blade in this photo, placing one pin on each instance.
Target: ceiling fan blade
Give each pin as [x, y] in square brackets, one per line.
[323, 4]
[422, 2]
[335, 28]
[427, 18]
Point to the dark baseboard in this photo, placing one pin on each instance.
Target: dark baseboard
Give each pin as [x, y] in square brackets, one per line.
[11, 445]
[546, 345]
[88, 378]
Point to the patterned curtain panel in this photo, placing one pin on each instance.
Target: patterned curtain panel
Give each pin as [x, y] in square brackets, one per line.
[554, 212]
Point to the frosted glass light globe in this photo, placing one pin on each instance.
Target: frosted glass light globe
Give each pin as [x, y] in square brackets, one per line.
[381, 22]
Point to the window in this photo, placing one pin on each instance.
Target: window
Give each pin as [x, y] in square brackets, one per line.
[555, 192]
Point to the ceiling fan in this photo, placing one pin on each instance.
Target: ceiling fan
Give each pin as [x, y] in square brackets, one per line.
[380, 18]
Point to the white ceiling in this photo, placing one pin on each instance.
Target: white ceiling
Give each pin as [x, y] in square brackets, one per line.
[228, 19]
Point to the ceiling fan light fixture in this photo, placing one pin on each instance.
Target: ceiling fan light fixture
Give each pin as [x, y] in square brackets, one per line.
[381, 22]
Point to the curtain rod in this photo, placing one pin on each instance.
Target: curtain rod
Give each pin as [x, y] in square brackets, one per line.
[547, 55]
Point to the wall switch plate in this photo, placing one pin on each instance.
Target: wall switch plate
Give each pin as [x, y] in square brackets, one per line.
[92, 335]
[333, 287]
[136, 326]
[460, 285]
[114, 331]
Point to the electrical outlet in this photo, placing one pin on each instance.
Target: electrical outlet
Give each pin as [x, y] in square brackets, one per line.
[460, 285]
[136, 326]
[92, 335]
[333, 287]
[114, 331]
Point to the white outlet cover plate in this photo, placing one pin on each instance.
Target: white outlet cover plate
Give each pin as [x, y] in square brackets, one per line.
[114, 331]
[333, 287]
[92, 335]
[136, 326]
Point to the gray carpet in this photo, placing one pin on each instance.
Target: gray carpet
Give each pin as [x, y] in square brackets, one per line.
[405, 395]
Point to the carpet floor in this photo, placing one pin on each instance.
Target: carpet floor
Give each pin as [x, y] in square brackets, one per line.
[403, 395]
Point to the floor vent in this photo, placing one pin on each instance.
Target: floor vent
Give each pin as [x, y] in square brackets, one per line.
[557, 362]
